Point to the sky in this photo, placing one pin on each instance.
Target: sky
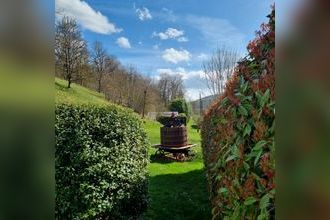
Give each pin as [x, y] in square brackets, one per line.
[173, 36]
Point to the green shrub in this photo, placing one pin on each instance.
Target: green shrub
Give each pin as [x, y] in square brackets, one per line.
[238, 136]
[181, 106]
[164, 120]
[197, 121]
[100, 161]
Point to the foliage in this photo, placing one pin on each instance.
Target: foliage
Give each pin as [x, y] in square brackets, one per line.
[181, 106]
[238, 136]
[165, 120]
[197, 121]
[100, 162]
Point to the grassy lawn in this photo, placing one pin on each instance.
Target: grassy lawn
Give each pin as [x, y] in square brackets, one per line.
[177, 189]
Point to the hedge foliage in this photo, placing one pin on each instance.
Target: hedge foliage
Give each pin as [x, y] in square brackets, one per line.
[164, 120]
[181, 106]
[238, 136]
[101, 159]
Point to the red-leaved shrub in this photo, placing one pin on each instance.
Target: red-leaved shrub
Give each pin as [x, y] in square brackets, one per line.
[238, 136]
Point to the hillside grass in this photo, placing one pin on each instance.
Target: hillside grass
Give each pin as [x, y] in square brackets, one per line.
[77, 94]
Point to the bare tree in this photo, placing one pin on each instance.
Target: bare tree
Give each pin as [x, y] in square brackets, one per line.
[99, 60]
[176, 87]
[171, 87]
[84, 71]
[111, 64]
[70, 49]
[127, 87]
[218, 69]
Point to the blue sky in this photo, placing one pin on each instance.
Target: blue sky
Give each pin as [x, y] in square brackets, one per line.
[173, 36]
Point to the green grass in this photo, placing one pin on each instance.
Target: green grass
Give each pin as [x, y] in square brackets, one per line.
[177, 189]
[76, 94]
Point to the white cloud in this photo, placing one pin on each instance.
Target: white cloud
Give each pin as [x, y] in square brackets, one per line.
[143, 13]
[217, 31]
[171, 33]
[123, 42]
[192, 94]
[175, 56]
[86, 16]
[182, 72]
[202, 56]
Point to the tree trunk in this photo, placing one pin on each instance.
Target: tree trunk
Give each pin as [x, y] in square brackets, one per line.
[144, 102]
[99, 89]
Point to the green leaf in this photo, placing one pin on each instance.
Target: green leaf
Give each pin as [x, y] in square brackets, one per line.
[222, 190]
[258, 96]
[223, 121]
[264, 201]
[259, 145]
[224, 102]
[264, 98]
[232, 157]
[246, 166]
[236, 214]
[236, 151]
[258, 157]
[262, 216]
[252, 154]
[247, 130]
[248, 106]
[249, 201]
[245, 86]
[242, 110]
[218, 177]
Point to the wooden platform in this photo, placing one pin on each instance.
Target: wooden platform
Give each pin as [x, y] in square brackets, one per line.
[179, 153]
[173, 148]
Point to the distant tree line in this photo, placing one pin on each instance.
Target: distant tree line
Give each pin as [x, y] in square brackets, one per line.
[98, 70]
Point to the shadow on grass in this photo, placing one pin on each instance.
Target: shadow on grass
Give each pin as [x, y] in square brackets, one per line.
[161, 159]
[168, 158]
[61, 86]
[195, 127]
[179, 196]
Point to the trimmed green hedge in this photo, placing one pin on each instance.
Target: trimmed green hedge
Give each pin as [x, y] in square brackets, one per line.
[181, 106]
[238, 136]
[101, 163]
[164, 120]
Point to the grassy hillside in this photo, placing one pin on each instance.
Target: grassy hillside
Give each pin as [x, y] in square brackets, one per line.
[76, 94]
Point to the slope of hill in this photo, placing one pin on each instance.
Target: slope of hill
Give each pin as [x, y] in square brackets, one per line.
[77, 94]
[206, 102]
